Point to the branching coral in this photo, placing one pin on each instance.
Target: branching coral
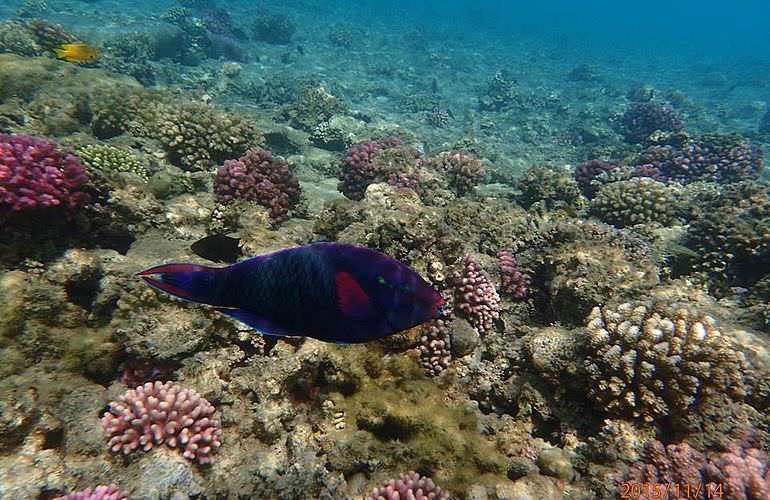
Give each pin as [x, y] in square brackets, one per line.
[643, 118]
[158, 413]
[435, 346]
[661, 360]
[638, 200]
[197, 136]
[409, 486]
[35, 174]
[475, 296]
[463, 170]
[260, 177]
[109, 492]
[377, 161]
[109, 159]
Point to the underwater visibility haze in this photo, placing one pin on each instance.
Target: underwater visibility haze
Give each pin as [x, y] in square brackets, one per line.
[396, 250]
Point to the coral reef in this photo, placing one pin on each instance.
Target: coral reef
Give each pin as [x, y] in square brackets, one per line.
[475, 296]
[35, 174]
[314, 106]
[715, 157]
[109, 159]
[163, 413]
[411, 486]
[513, 281]
[435, 346]
[640, 200]
[674, 471]
[542, 184]
[729, 233]
[273, 28]
[463, 170]
[377, 161]
[586, 172]
[197, 136]
[641, 119]
[109, 492]
[742, 472]
[659, 360]
[260, 177]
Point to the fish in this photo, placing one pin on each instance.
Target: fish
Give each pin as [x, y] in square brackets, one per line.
[333, 292]
[218, 248]
[77, 52]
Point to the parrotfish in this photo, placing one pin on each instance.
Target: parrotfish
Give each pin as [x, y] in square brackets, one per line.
[333, 292]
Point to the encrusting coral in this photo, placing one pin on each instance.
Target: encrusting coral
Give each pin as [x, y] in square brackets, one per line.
[653, 361]
[163, 413]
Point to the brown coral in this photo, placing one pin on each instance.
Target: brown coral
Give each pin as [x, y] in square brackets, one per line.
[659, 360]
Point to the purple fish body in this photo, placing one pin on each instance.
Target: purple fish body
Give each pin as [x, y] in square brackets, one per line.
[333, 292]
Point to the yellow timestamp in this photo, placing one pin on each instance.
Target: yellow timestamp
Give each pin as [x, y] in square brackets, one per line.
[654, 491]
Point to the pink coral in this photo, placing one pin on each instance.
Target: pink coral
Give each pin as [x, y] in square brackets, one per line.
[410, 486]
[435, 346]
[741, 473]
[464, 170]
[35, 174]
[476, 298]
[101, 492]
[677, 465]
[514, 282]
[258, 176]
[385, 160]
[157, 413]
[587, 171]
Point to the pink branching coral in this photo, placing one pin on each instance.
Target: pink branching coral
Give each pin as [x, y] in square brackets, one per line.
[260, 177]
[676, 465]
[157, 413]
[385, 160]
[464, 170]
[101, 492]
[410, 486]
[435, 343]
[35, 174]
[476, 298]
[741, 473]
[514, 282]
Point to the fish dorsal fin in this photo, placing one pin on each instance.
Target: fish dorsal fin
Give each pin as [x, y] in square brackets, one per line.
[256, 322]
[352, 299]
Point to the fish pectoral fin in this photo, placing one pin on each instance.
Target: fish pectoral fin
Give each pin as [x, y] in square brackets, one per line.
[256, 322]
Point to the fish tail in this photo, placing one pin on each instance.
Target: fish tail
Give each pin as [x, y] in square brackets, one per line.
[189, 282]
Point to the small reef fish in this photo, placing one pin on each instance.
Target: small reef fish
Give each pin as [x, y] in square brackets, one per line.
[333, 292]
[77, 52]
[218, 248]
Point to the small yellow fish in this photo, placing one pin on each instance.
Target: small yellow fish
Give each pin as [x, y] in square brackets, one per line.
[77, 52]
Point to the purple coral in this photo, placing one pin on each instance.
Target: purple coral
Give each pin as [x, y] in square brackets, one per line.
[712, 157]
[587, 171]
[514, 282]
[110, 492]
[741, 473]
[260, 177]
[476, 298]
[157, 413]
[676, 465]
[35, 174]
[378, 161]
[643, 118]
[464, 170]
[410, 486]
[435, 346]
